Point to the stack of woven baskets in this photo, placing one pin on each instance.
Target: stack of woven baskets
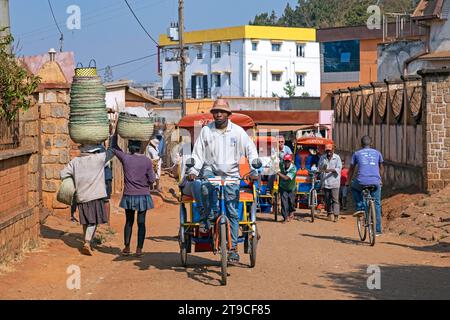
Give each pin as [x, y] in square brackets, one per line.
[88, 122]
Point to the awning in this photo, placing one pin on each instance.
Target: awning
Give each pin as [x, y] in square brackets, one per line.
[276, 71]
[283, 128]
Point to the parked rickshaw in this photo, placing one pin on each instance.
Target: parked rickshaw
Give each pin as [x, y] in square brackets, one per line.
[307, 154]
[268, 202]
[218, 238]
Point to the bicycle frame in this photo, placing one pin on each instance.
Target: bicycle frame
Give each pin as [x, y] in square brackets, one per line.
[367, 199]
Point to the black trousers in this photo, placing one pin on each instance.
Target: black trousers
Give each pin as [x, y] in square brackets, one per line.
[129, 227]
[287, 202]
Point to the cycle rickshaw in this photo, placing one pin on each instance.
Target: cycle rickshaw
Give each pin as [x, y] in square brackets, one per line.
[218, 238]
[307, 155]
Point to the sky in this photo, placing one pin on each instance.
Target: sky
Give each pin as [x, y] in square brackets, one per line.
[110, 34]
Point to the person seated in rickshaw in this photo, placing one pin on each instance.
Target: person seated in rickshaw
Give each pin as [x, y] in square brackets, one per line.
[217, 152]
[312, 159]
[269, 162]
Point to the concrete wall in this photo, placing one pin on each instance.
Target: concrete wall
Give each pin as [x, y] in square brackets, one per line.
[300, 103]
[391, 58]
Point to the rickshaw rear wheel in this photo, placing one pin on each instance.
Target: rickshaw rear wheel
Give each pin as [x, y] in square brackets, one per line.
[276, 207]
[223, 252]
[184, 247]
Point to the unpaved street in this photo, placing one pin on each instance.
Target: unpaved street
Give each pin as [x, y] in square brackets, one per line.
[298, 260]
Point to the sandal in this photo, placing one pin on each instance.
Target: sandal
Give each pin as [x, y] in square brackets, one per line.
[138, 253]
[126, 253]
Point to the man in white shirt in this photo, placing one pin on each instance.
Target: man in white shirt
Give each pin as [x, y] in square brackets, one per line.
[218, 151]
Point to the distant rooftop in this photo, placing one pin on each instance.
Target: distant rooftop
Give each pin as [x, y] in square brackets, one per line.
[244, 32]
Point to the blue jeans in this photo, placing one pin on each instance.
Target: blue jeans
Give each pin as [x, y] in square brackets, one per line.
[194, 190]
[359, 201]
[231, 194]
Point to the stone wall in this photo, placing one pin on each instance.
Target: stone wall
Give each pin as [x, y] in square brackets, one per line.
[436, 133]
[56, 145]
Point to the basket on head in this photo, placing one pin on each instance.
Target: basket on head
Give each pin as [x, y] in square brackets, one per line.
[134, 128]
[81, 71]
[93, 132]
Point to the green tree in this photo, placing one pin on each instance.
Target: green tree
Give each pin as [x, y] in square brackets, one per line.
[331, 13]
[289, 89]
[16, 84]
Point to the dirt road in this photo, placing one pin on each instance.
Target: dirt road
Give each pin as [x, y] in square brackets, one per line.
[298, 260]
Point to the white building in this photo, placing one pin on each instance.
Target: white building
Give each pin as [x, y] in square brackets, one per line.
[245, 61]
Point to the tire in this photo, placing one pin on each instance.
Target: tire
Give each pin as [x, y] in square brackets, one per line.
[223, 252]
[313, 207]
[253, 246]
[361, 224]
[372, 223]
[183, 248]
[276, 207]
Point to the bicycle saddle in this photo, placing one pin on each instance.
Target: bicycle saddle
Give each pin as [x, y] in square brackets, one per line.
[370, 188]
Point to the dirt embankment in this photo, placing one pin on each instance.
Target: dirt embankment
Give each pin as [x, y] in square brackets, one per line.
[419, 215]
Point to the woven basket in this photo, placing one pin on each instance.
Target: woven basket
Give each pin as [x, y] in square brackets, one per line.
[66, 191]
[135, 128]
[86, 72]
[88, 132]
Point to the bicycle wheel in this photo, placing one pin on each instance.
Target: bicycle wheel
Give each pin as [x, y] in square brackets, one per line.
[253, 245]
[223, 252]
[275, 205]
[183, 247]
[313, 202]
[372, 223]
[361, 224]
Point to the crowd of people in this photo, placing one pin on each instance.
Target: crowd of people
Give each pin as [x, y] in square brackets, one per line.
[217, 152]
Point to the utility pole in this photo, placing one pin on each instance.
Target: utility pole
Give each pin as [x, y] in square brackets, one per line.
[4, 20]
[182, 56]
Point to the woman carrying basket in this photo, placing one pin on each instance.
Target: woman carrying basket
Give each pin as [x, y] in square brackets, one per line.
[138, 176]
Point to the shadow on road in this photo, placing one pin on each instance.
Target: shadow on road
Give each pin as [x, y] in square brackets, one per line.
[73, 240]
[198, 268]
[163, 238]
[396, 282]
[335, 238]
[443, 247]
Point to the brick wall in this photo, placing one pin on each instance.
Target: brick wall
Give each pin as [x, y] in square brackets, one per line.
[13, 184]
[436, 133]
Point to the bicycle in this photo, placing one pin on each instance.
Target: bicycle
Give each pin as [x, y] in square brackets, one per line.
[367, 223]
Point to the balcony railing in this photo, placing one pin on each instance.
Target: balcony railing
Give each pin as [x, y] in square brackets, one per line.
[170, 94]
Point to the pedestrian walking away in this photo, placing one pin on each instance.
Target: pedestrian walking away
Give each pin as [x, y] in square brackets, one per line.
[88, 172]
[138, 176]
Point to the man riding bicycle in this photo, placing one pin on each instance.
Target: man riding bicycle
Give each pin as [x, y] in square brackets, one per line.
[370, 169]
[217, 152]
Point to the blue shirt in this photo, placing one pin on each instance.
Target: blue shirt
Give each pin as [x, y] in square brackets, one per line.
[368, 161]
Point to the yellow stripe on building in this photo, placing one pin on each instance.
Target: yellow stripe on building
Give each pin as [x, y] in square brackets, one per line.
[244, 32]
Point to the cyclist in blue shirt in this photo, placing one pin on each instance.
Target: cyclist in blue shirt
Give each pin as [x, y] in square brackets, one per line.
[369, 163]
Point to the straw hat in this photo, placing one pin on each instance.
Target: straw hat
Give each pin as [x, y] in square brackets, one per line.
[221, 105]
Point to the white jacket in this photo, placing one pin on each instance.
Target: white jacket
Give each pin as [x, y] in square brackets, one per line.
[221, 152]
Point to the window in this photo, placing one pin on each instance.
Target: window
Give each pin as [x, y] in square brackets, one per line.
[229, 48]
[341, 56]
[301, 50]
[217, 53]
[276, 46]
[276, 77]
[229, 78]
[216, 80]
[300, 79]
[254, 46]
[254, 76]
[200, 53]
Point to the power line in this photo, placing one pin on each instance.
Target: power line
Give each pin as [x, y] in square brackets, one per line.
[128, 62]
[137, 19]
[57, 26]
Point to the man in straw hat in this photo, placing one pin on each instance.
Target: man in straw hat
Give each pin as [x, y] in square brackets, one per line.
[217, 152]
[330, 165]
